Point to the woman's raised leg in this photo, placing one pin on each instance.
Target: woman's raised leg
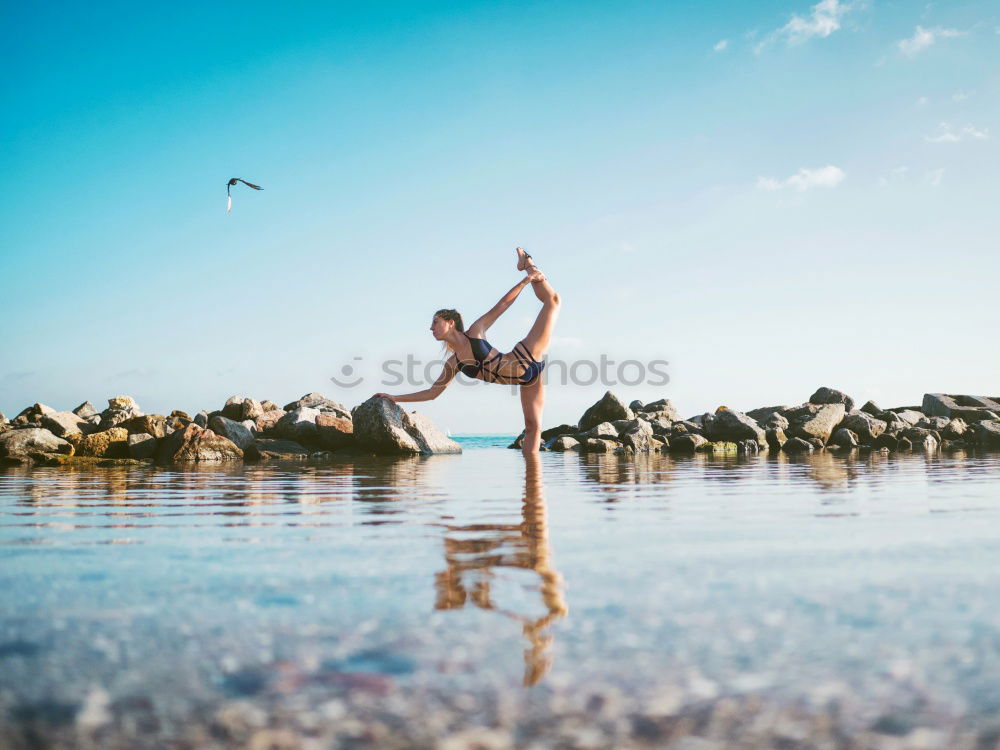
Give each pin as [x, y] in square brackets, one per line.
[540, 336]
[532, 403]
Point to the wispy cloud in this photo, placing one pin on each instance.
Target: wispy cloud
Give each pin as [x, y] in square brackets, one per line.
[721, 45]
[824, 19]
[923, 38]
[828, 177]
[948, 134]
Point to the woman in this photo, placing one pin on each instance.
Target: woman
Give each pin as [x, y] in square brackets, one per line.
[475, 357]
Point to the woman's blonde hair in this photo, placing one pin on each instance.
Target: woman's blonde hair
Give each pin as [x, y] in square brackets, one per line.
[455, 318]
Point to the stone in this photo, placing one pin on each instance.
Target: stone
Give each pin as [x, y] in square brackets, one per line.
[269, 419]
[722, 447]
[194, 444]
[232, 430]
[688, 442]
[179, 419]
[903, 444]
[563, 443]
[908, 415]
[955, 429]
[662, 440]
[775, 420]
[110, 443]
[33, 414]
[150, 424]
[865, 426]
[596, 445]
[201, 418]
[85, 410]
[270, 449]
[635, 405]
[819, 425]
[797, 445]
[933, 423]
[686, 426]
[21, 446]
[845, 438]
[141, 445]
[124, 403]
[299, 425]
[986, 433]
[63, 423]
[660, 425]
[968, 408]
[638, 437]
[661, 407]
[826, 395]
[382, 426]
[775, 437]
[760, 414]
[730, 425]
[334, 432]
[269, 406]
[554, 432]
[874, 409]
[608, 409]
[318, 401]
[817, 443]
[799, 412]
[603, 430]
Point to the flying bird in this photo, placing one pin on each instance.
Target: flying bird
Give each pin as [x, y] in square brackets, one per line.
[233, 181]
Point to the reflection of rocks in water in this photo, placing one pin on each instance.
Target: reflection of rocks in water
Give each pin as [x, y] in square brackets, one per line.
[610, 475]
[474, 553]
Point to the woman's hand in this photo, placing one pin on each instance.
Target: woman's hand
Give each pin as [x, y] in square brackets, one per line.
[384, 395]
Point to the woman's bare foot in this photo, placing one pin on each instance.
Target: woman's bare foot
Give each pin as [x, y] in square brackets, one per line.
[523, 259]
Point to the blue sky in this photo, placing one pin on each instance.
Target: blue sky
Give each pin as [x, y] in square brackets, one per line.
[770, 196]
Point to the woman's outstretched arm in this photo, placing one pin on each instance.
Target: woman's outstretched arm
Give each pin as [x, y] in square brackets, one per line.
[447, 375]
[483, 323]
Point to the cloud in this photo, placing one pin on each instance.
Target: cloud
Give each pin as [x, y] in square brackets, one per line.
[947, 134]
[923, 38]
[960, 96]
[721, 45]
[828, 176]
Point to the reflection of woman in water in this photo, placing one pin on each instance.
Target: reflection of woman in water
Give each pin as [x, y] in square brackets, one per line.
[476, 551]
[474, 356]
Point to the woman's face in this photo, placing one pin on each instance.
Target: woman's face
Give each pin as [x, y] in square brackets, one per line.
[439, 327]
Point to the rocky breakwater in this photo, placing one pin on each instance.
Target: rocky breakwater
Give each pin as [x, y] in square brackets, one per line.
[244, 429]
[827, 421]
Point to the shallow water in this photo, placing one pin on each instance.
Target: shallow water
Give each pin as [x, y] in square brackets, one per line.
[571, 600]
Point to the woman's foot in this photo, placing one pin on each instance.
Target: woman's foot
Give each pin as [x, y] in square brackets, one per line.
[523, 259]
[535, 275]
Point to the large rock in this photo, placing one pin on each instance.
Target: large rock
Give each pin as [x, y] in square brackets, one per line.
[864, 425]
[603, 430]
[141, 445]
[826, 395]
[563, 443]
[239, 409]
[382, 426]
[270, 449]
[910, 416]
[760, 414]
[63, 423]
[85, 410]
[320, 402]
[334, 432]
[687, 442]
[554, 432]
[29, 443]
[232, 430]
[269, 419]
[819, 425]
[608, 409]
[596, 445]
[112, 443]
[299, 425]
[798, 445]
[33, 414]
[638, 436]
[874, 409]
[986, 433]
[733, 426]
[845, 438]
[150, 424]
[125, 403]
[968, 408]
[661, 408]
[195, 444]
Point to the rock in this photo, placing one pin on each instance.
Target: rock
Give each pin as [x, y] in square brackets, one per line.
[141, 445]
[722, 447]
[111, 443]
[776, 420]
[985, 433]
[661, 407]
[687, 442]
[604, 429]
[299, 425]
[608, 409]
[123, 403]
[270, 449]
[662, 440]
[554, 432]
[797, 445]
[955, 429]
[910, 416]
[621, 425]
[933, 423]
[819, 425]
[238, 409]
[179, 419]
[150, 424]
[638, 437]
[334, 432]
[761, 414]
[63, 423]
[233, 431]
[195, 444]
[269, 419]
[563, 443]
[826, 395]
[903, 444]
[874, 409]
[382, 426]
[32, 415]
[320, 402]
[269, 406]
[596, 445]
[800, 412]
[845, 438]
[686, 426]
[733, 426]
[21, 446]
[817, 443]
[865, 427]
[201, 418]
[635, 405]
[968, 408]
[84, 410]
[775, 437]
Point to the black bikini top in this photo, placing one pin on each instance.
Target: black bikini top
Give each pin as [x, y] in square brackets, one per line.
[481, 349]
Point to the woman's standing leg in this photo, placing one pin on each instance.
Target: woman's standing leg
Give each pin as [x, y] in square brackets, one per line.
[532, 403]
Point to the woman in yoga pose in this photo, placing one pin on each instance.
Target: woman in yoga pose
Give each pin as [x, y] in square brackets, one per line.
[475, 357]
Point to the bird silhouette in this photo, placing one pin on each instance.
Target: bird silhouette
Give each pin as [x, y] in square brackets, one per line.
[233, 181]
